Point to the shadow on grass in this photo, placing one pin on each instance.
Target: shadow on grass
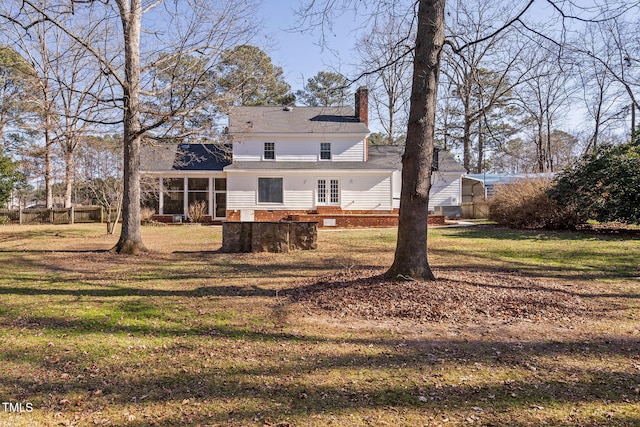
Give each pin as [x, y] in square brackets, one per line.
[408, 376]
[118, 291]
[592, 267]
[539, 288]
[499, 233]
[104, 265]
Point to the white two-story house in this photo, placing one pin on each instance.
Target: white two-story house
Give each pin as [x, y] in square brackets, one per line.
[296, 162]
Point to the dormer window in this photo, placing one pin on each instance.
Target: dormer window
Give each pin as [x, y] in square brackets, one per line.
[269, 151]
[325, 151]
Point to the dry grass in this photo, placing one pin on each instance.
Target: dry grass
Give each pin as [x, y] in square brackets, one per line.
[521, 329]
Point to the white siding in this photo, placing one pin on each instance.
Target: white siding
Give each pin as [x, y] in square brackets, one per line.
[396, 188]
[366, 192]
[446, 189]
[242, 191]
[358, 191]
[300, 149]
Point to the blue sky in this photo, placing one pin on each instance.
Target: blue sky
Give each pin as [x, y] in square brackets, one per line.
[298, 53]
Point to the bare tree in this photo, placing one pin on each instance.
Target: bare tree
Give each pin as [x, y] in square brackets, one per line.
[79, 84]
[178, 28]
[385, 57]
[544, 97]
[599, 91]
[37, 52]
[481, 76]
[410, 261]
[411, 254]
[100, 175]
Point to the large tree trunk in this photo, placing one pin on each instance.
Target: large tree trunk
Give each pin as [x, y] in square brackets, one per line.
[411, 249]
[130, 241]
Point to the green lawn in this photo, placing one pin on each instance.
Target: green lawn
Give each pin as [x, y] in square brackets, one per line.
[186, 335]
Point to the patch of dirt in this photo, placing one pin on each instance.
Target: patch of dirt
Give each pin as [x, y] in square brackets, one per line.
[455, 296]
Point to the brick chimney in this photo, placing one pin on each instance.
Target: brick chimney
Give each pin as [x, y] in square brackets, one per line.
[362, 105]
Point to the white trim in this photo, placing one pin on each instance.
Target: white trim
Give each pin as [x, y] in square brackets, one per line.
[211, 194]
[273, 135]
[328, 201]
[215, 204]
[320, 159]
[185, 201]
[311, 171]
[263, 157]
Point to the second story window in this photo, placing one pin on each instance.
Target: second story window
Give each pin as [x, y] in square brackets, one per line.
[325, 151]
[269, 151]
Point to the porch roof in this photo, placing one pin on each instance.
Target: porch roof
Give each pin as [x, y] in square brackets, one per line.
[184, 157]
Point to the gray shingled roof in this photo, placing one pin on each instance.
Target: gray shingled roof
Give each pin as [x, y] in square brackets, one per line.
[295, 120]
[381, 157]
[179, 157]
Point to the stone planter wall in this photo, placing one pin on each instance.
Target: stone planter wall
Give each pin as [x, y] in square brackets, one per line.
[268, 236]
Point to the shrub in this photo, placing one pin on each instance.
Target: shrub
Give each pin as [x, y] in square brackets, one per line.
[604, 187]
[197, 211]
[146, 215]
[525, 204]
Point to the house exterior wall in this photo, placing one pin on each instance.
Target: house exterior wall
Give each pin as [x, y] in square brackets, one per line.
[358, 191]
[396, 188]
[366, 192]
[446, 189]
[302, 148]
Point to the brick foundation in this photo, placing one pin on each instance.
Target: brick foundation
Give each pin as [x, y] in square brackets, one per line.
[333, 216]
[168, 219]
[360, 220]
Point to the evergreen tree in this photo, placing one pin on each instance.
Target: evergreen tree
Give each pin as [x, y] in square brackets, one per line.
[9, 177]
[604, 186]
[248, 76]
[325, 89]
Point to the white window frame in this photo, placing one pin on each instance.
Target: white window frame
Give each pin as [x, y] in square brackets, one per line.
[325, 151]
[264, 151]
[328, 201]
[213, 203]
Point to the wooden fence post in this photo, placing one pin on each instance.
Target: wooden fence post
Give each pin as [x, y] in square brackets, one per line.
[72, 213]
[20, 215]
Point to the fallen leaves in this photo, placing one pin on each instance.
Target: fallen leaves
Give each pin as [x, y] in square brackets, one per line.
[457, 295]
